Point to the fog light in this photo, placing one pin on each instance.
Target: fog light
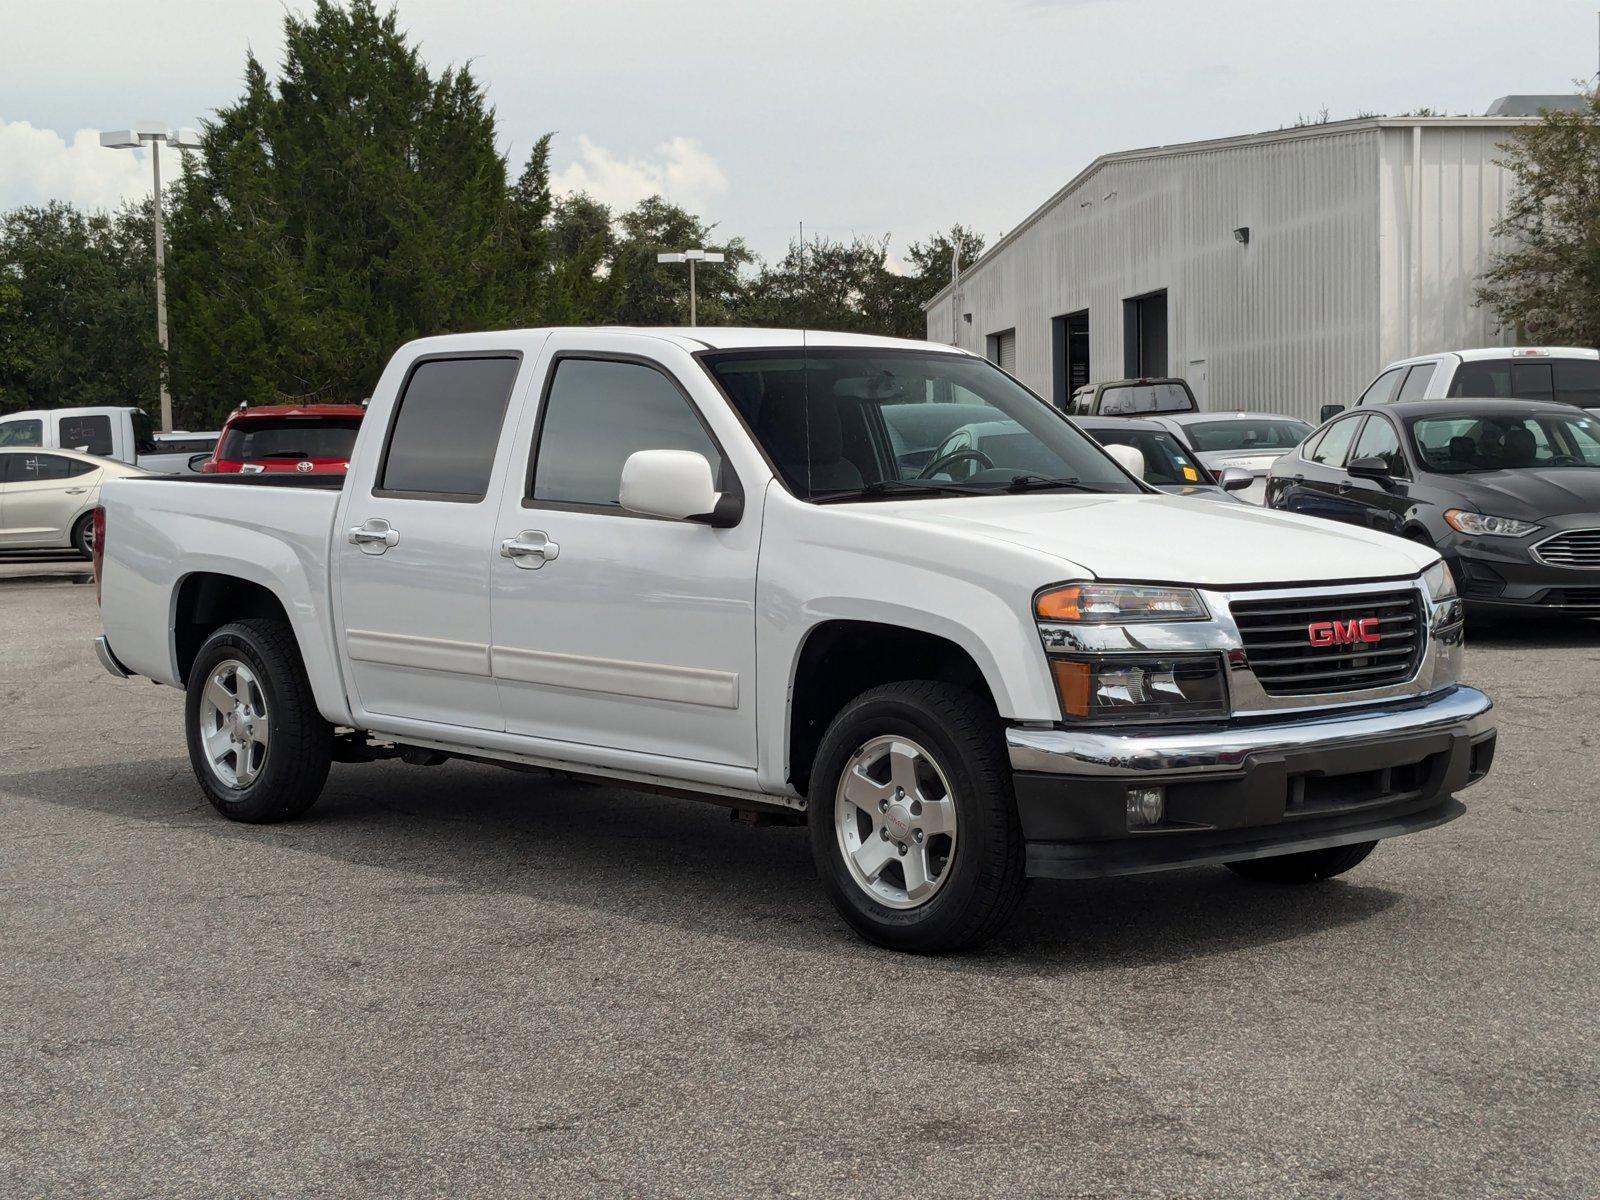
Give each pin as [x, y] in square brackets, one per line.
[1146, 807]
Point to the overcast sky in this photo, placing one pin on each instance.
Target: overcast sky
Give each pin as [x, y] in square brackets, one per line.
[854, 116]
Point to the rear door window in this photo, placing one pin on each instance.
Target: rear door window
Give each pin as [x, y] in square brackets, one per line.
[22, 433]
[88, 435]
[446, 427]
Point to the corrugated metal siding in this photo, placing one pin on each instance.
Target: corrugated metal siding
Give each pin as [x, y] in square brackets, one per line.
[1301, 316]
[1429, 277]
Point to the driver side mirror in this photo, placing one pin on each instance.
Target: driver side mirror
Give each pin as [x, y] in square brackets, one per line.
[1328, 411]
[677, 485]
[1235, 479]
[197, 461]
[1374, 469]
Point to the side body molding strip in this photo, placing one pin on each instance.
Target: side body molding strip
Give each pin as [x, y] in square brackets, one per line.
[647, 681]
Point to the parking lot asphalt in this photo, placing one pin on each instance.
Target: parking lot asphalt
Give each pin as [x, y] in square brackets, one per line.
[464, 981]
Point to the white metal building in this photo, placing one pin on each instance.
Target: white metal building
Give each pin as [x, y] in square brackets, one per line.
[1276, 271]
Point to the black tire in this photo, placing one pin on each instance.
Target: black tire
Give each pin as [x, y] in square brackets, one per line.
[83, 535]
[299, 750]
[1308, 866]
[984, 878]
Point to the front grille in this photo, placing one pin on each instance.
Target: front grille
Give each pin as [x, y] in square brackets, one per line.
[1278, 642]
[1574, 548]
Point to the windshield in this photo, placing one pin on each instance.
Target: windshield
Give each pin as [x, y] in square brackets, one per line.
[1166, 462]
[1455, 445]
[1124, 399]
[847, 423]
[22, 433]
[1568, 380]
[255, 441]
[1248, 434]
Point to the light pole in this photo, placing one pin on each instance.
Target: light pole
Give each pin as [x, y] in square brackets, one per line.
[153, 134]
[691, 257]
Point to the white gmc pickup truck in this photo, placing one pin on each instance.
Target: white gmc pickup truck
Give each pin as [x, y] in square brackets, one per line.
[871, 585]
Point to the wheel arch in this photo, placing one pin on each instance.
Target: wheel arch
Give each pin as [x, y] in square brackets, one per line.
[841, 658]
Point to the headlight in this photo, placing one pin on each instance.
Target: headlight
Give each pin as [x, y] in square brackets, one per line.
[1145, 686]
[1480, 525]
[1441, 584]
[1115, 603]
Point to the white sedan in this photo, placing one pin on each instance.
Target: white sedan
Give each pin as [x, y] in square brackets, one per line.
[1251, 441]
[48, 498]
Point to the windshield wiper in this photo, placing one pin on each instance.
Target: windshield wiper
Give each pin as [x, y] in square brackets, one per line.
[902, 487]
[1040, 483]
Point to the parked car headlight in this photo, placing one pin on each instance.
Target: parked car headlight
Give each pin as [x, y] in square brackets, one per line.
[1140, 686]
[1482, 525]
[1117, 603]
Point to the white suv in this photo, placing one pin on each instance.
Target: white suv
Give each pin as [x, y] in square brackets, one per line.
[1567, 374]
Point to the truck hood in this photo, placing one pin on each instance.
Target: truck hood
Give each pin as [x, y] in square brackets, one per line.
[1168, 539]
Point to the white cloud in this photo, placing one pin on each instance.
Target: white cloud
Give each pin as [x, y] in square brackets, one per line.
[38, 165]
[682, 172]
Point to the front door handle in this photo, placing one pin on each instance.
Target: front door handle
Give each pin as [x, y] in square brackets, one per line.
[530, 549]
[1346, 486]
[374, 536]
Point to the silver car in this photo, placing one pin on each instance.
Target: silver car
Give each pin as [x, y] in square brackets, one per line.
[1250, 441]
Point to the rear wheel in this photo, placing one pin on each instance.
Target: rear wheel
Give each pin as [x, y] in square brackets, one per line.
[83, 535]
[257, 744]
[913, 823]
[1306, 867]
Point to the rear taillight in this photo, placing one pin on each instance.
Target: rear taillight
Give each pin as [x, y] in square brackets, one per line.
[97, 552]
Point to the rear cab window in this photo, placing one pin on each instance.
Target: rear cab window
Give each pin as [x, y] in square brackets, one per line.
[1566, 380]
[1125, 399]
[446, 427]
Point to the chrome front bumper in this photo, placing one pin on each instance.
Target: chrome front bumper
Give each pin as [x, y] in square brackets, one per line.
[1186, 752]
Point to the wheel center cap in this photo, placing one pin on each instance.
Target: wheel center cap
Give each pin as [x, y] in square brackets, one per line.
[898, 821]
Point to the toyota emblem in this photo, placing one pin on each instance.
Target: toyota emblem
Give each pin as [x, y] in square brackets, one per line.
[304, 466]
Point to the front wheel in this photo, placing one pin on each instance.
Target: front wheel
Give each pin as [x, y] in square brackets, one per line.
[913, 823]
[1306, 867]
[257, 743]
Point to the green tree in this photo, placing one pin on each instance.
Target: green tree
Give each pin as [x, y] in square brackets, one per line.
[77, 307]
[650, 293]
[1545, 280]
[357, 203]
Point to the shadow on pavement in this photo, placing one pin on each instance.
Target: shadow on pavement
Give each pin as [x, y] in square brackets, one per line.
[468, 829]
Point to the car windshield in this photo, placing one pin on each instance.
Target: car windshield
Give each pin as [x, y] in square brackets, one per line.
[289, 438]
[846, 424]
[1166, 462]
[1125, 399]
[1457, 444]
[1246, 434]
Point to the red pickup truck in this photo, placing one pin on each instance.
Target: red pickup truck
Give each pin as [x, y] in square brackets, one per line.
[311, 439]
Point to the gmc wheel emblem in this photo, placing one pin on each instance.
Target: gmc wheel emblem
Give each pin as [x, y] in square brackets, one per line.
[1343, 633]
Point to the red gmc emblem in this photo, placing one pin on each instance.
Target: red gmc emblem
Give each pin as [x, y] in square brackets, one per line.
[1343, 633]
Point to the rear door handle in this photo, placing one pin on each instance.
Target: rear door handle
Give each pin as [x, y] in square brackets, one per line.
[76, 491]
[530, 549]
[374, 536]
